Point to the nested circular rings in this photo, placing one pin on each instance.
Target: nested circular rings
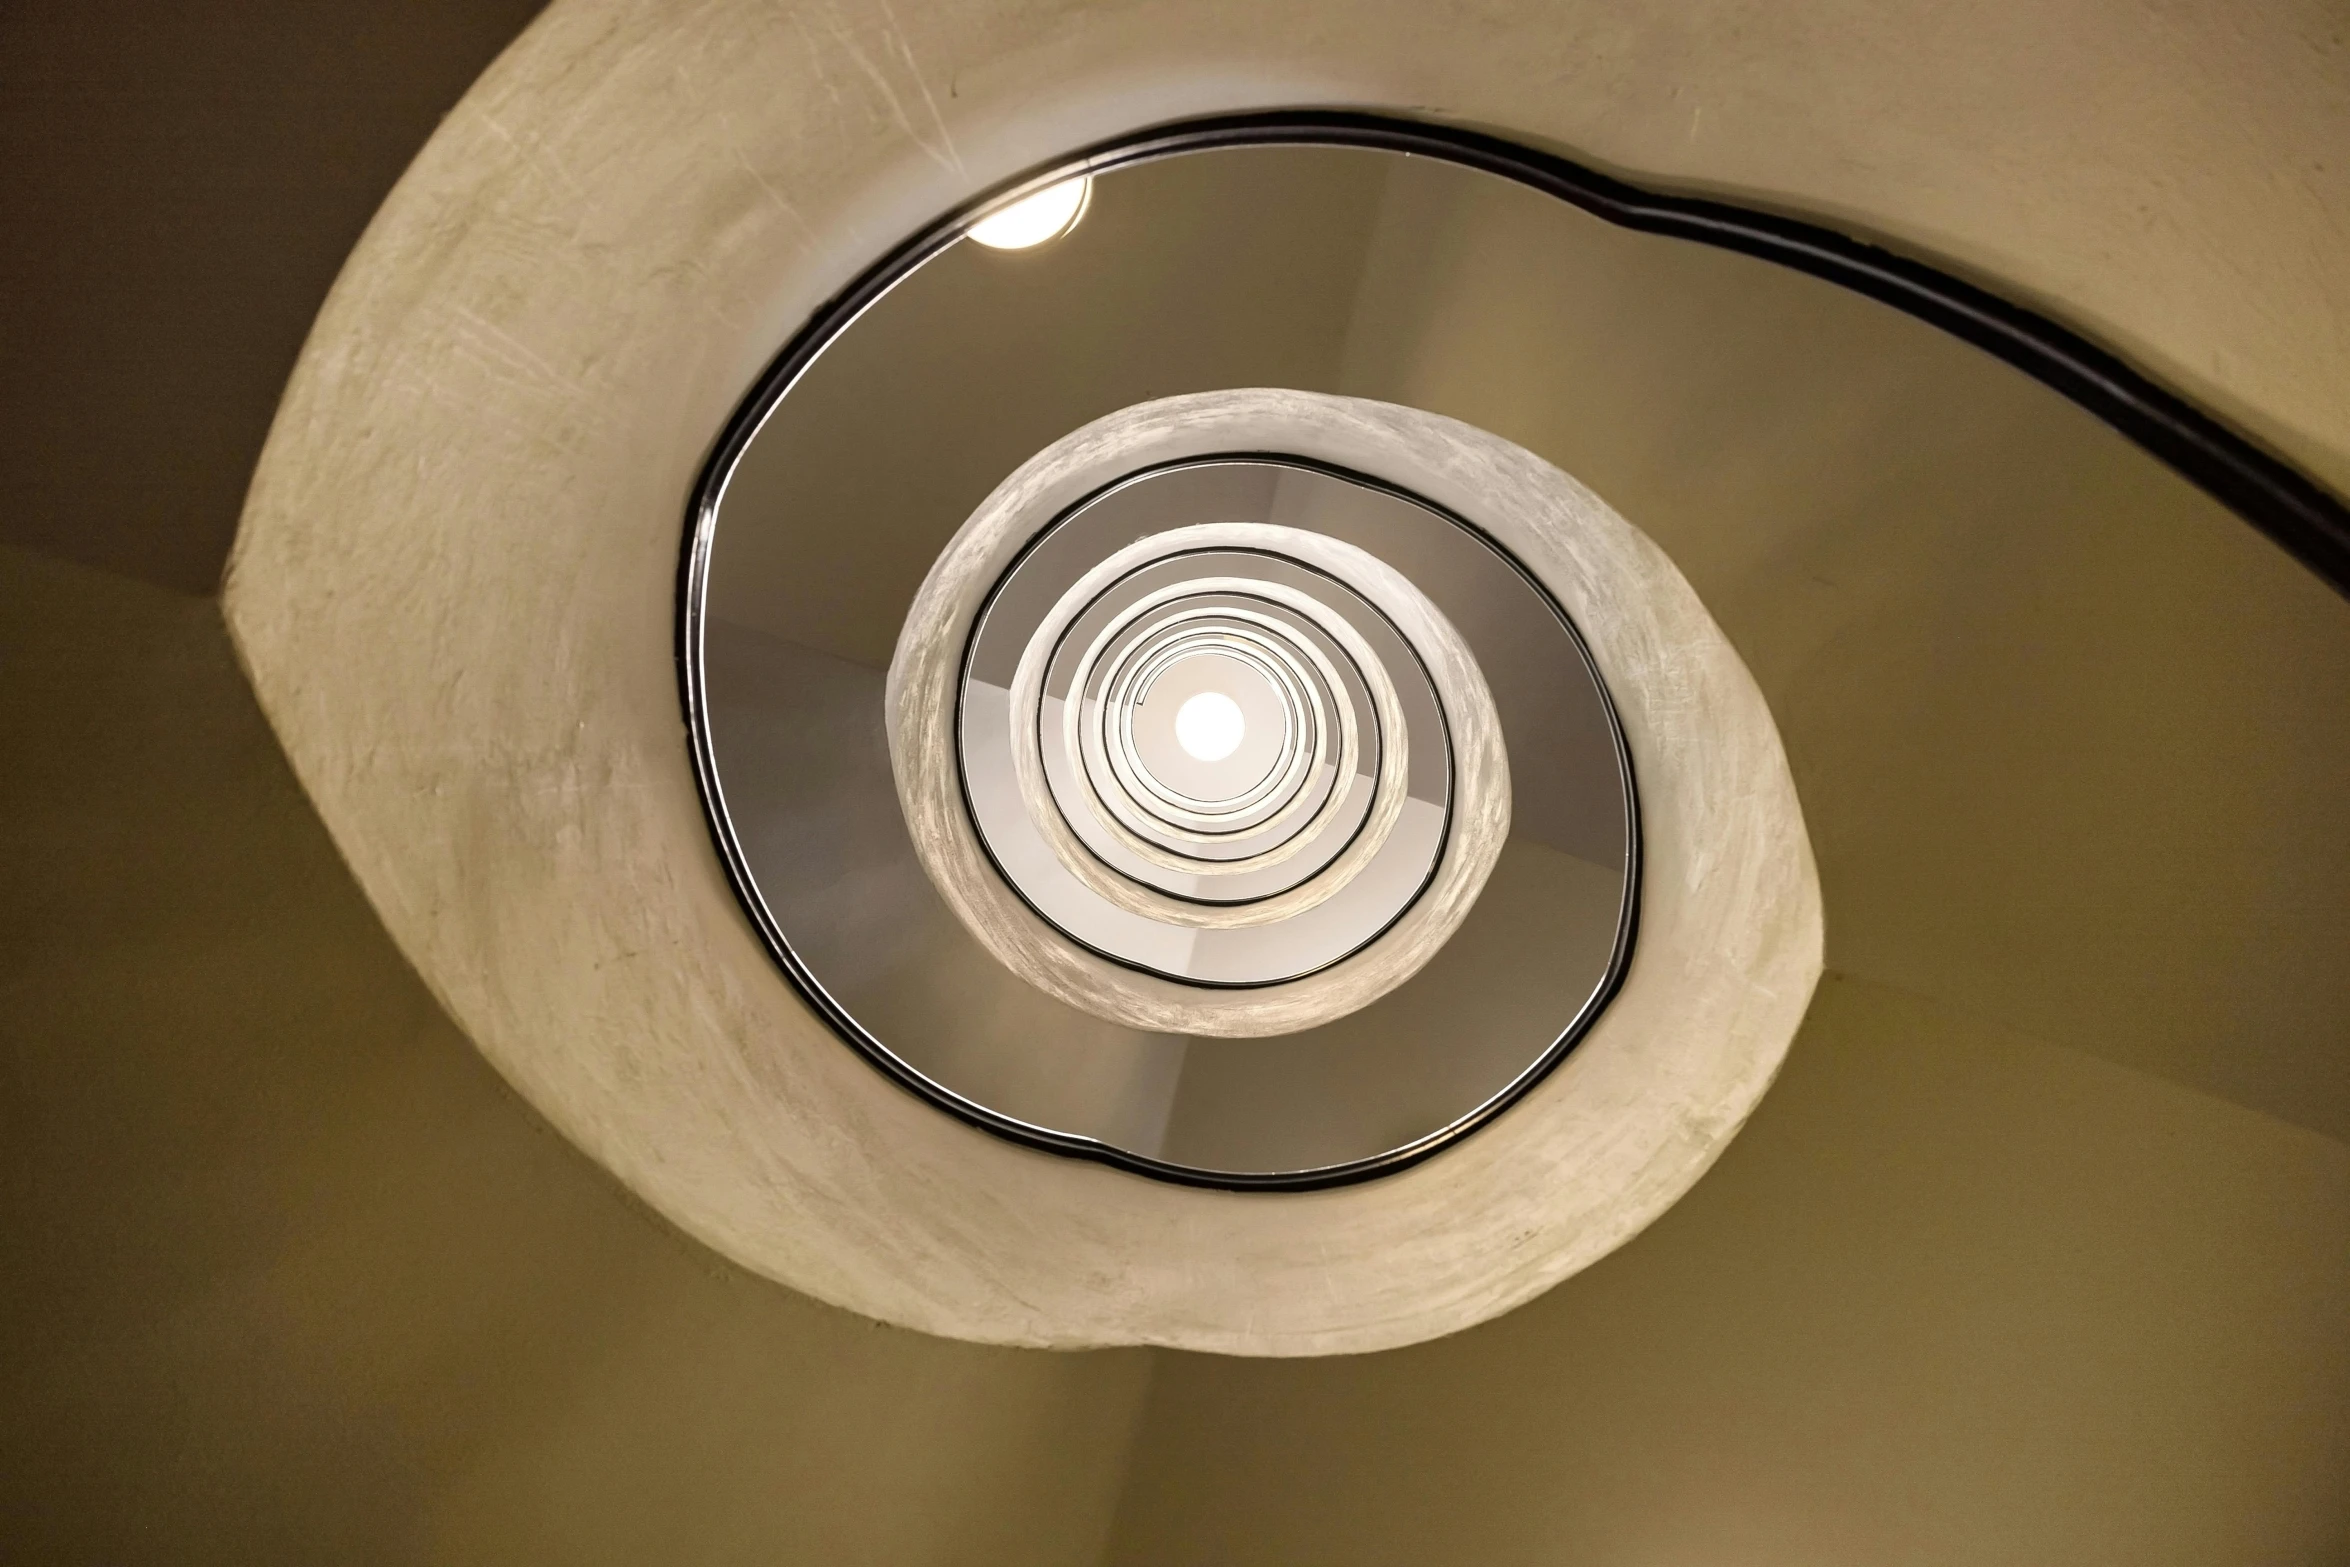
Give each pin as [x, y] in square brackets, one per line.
[1306, 861]
[1274, 830]
[1293, 732]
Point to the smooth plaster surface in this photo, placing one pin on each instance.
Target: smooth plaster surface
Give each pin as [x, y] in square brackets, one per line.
[2054, 713]
[2292, 97]
[2068, 733]
[1192, 292]
[409, 478]
[287, 1274]
[183, 181]
[1953, 1297]
[518, 368]
[2122, 158]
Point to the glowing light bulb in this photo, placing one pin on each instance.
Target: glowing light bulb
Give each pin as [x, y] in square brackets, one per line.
[1209, 726]
[1050, 213]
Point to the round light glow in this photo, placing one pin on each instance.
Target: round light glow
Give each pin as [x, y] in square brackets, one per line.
[1050, 213]
[1210, 727]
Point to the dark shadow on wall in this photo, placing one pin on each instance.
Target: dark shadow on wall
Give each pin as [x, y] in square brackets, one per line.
[179, 184]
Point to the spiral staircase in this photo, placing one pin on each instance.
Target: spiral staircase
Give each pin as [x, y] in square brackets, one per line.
[322, 1243]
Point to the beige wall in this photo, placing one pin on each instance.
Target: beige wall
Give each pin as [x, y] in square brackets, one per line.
[287, 1274]
[1174, 285]
[1953, 1297]
[291, 1277]
[2070, 744]
[2068, 733]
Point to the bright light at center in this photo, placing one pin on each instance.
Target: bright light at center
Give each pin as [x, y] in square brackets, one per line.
[1032, 220]
[1209, 726]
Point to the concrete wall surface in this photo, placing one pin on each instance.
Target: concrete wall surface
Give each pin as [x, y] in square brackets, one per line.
[1954, 1297]
[288, 1275]
[2036, 1253]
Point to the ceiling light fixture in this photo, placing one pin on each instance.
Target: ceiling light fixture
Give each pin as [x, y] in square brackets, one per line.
[1210, 726]
[1050, 213]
